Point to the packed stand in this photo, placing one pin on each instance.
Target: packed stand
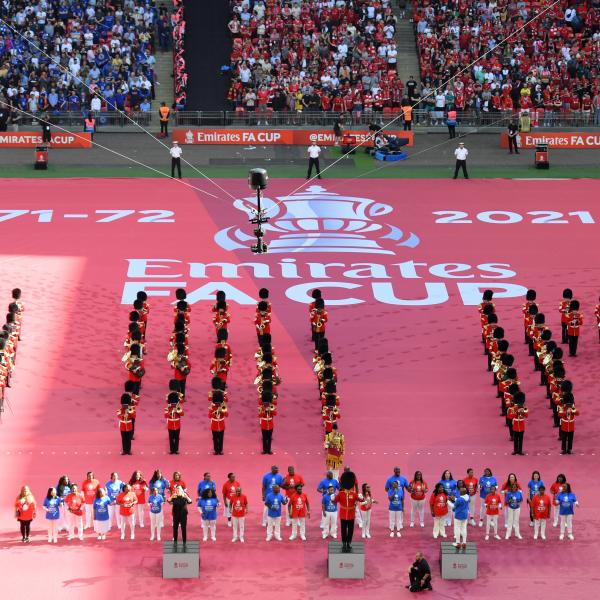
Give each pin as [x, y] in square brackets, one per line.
[180, 73]
[314, 56]
[106, 45]
[549, 68]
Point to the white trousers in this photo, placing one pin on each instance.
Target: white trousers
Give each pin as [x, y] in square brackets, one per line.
[89, 515]
[298, 523]
[113, 515]
[52, 529]
[330, 524]
[358, 517]
[513, 521]
[539, 526]
[273, 525]
[472, 506]
[417, 507]
[140, 514]
[460, 530]
[63, 519]
[481, 508]
[227, 509]
[566, 521]
[75, 521]
[395, 519]
[130, 520]
[366, 522]
[156, 523]
[209, 525]
[491, 521]
[439, 527]
[264, 517]
[448, 519]
[238, 527]
[555, 515]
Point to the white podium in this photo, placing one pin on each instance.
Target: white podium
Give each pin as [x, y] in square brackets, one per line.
[181, 562]
[458, 564]
[346, 565]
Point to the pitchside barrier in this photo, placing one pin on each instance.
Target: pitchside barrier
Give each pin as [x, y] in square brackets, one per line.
[32, 139]
[569, 139]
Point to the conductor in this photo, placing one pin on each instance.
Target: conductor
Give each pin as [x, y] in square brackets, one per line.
[347, 499]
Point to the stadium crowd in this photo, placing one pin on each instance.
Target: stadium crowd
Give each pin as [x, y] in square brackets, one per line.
[547, 66]
[51, 51]
[313, 55]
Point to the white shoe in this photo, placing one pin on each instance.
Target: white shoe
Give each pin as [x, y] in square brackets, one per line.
[456, 544]
[571, 537]
[158, 538]
[487, 537]
[229, 524]
[443, 535]
[142, 525]
[55, 541]
[214, 539]
[264, 524]
[234, 539]
[242, 540]
[543, 536]
[303, 538]
[132, 536]
[81, 537]
[292, 538]
[561, 537]
[535, 536]
[412, 525]
[497, 537]
[363, 534]
[530, 523]
[368, 535]
[69, 538]
[324, 535]
[268, 539]
[391, 534]
[398, 534]
[151, 538]
[473, 522]
[122, 536]
[278, 538]
[480, 523]
[518, 535]
[205, 538]
[422, 524]
[555, 524]
[50, 540]
[507, 536]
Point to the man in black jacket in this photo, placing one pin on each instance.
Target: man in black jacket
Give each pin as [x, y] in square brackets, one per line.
[419, 574]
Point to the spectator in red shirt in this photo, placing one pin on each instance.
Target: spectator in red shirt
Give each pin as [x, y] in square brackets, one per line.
[25, 512]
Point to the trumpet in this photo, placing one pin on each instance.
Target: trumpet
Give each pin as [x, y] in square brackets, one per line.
[270, 407]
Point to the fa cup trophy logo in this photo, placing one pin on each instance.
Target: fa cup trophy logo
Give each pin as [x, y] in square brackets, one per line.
[316, 220]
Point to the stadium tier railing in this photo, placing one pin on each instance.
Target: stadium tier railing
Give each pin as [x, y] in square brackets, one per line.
[421, 119]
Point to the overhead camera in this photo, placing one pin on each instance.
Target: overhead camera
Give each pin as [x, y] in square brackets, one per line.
[257, 180]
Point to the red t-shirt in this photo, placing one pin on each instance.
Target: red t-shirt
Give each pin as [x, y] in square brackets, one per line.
[238, 506]
[139, 489]
[541, 506]
[229, 489]
[418, 490]
[173, 484]
[126, 502]
[298, 504]
[439, 504]
[89, 489]
[25, 509]
[75, 502]
[471, 483]
[492, 504]
[292, 481]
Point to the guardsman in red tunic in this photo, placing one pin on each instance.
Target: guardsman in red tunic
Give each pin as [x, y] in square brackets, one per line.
[217, 385]
[262, 322]
[507, 402]
[530, 298]
[263, 294]
[529, 319]
[135, 365]
[181, 367]
[220, 297]
[138, 307]
[567, 414]
[135, 400]
[173, 414]
[563, 309]
[331, 413]
[217, 413]
[486, 300]
[222, 337]
[141, 295]
[219, 366]
[125, 425]
[574, 323]
[267, 387]
[266, 411]
[221, 318]
[535, 331]
[316, 295]
[347, 500]
[318, 321]
[518, 413]
[182, 311]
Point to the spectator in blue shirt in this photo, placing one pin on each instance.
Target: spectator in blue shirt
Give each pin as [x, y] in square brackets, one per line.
[486, 481]
[396, 498]
[101, 509]
[63, 489]
[512, 504]
[402, 481]
[323, 486]
[113, 489]
[207, 506]
[567, 501]
[329, 510]
[449, 484]
[155, 504]
[51, 506]
[274, 500]
[269, 480]
[534, 485]
[459, 503]
[206, 483]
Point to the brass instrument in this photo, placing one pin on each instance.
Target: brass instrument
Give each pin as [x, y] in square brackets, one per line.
[270, 407]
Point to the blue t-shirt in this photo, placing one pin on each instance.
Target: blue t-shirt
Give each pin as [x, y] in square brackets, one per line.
[402, 482]
[269, 480]
[461, 508]
[325, 483]
[513, 499]
[274, 503]
[66, 491]
[396, 497]
[113, 489]
[566, 503]
[52, 505]
[156, 503]
[485, 485]
[328, 503]
[101, 508]
[449, 486]
[208, 506]
[207, 485]
[534, 487]
[161, 485]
